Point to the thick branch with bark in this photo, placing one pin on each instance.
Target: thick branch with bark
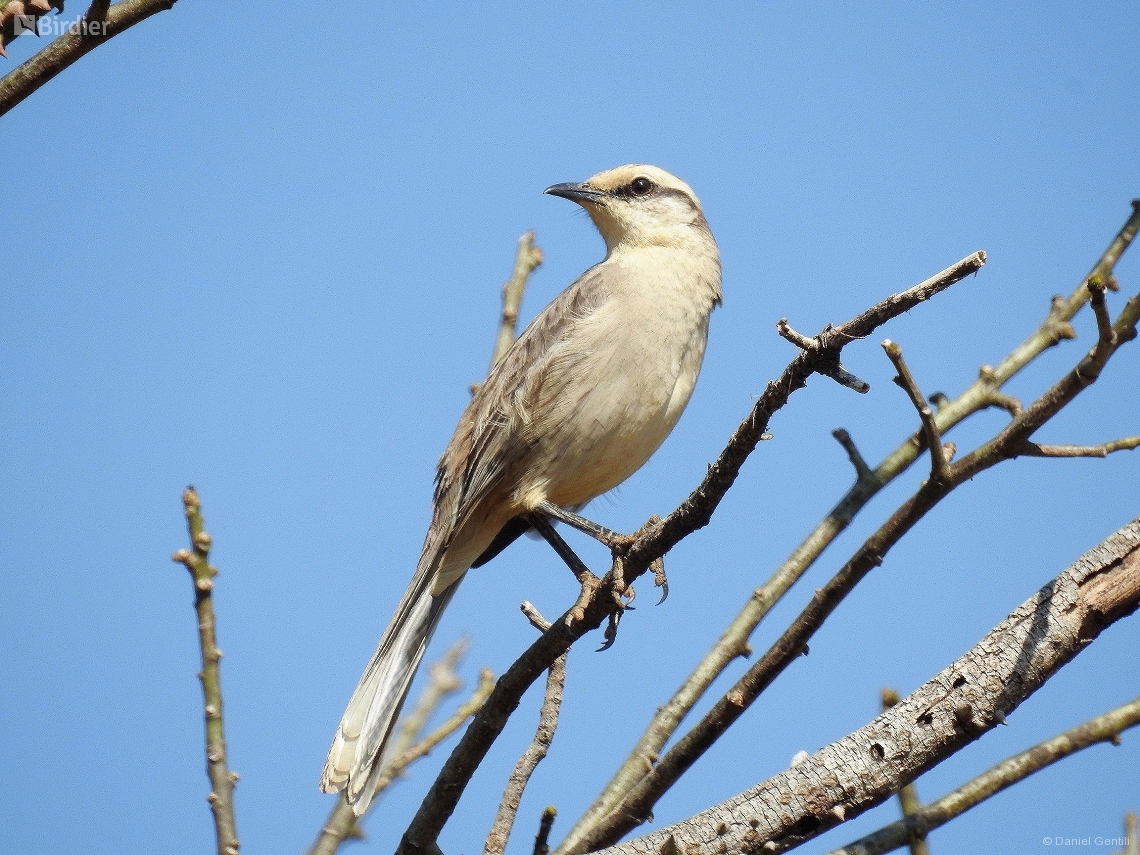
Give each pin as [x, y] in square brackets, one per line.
[908, 796]
[924, 819]
[968, 698]
[100, 24]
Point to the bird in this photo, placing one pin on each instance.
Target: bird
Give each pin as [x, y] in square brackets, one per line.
[581, 400]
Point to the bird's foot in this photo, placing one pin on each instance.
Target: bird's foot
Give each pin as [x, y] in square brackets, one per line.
[622, 544]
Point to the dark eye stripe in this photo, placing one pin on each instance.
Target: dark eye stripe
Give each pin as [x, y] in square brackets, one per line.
[638, 188]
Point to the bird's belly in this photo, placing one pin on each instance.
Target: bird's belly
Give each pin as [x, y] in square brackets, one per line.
[613, 432]
[604, 462]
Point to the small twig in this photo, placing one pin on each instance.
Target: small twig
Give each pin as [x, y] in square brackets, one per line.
[939, 466]
[222, 780]
[991, 782]
[908, 795]
[1033, 449]
[829, 361]
[1100, 310]
[862, 470]
[534, 616]
[798, 339]
[443, 681]
[527, 259]
[496, 842]
[541, 840]
[994, 398]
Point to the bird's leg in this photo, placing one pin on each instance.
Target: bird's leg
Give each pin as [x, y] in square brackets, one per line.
[589, 582]
[618, 545]
[603, 535]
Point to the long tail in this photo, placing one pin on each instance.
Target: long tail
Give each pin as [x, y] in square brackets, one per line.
[354, 761]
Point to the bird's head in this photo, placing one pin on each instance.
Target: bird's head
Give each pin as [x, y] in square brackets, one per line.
[639, 205]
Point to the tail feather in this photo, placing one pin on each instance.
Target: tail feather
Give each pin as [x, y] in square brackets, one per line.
[354, 761]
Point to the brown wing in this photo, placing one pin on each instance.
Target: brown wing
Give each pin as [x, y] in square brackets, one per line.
[490, 436]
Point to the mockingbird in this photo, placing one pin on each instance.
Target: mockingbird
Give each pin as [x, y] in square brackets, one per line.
[580, 401]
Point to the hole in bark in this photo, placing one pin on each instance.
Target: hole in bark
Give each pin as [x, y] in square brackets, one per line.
[877, 750]
[959, 682]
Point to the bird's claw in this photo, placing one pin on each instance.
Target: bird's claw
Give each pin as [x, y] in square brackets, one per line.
[659, 578]
[611, 630]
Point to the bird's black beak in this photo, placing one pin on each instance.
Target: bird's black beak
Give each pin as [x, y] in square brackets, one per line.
[576, 193]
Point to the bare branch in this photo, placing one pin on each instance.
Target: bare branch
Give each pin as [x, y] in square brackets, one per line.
[862, 470]
[343, 824]
[489, 723]
[696, 511]
[1100, 310]
[1032, 449]
[939, 467]
[222, 780]
[496, 842]
[425, 745]
[534, 616]
[968, 698]
[1132, 834]
[1005, 774]
[799, 340]
[527, 259]
[29, 76]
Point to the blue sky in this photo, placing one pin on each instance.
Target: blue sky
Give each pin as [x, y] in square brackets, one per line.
[260, 252]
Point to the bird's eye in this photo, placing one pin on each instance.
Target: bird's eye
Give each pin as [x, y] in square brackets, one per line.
[641, 186]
